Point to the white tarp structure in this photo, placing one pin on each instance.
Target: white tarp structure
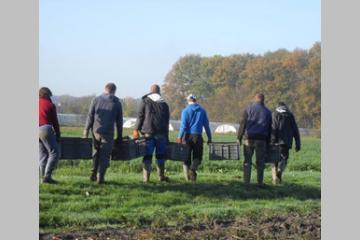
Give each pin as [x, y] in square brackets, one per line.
[130, 123]
[225, 128]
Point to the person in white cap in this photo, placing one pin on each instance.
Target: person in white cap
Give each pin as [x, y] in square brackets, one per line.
[193, 119]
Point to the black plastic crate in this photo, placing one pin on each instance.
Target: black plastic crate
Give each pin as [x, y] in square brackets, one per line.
[177, 152]
[129, 149]
[273, 153]
[75, 148]
[224, 151]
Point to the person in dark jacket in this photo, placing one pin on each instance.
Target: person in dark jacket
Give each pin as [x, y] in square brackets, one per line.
[255, 130]
[49, 135]
[284, 130]
[153, 122]
[193, 120]
[105, 112]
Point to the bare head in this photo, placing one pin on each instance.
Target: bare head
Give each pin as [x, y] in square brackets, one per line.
[259, 97]
[155, 89]
[45, 92]
[110, 88]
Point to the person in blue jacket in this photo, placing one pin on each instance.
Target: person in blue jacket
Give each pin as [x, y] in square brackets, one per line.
[193, 120]
[255, 130]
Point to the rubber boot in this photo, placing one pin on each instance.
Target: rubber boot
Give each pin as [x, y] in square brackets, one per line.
[260, 176]
[275, 179]
[279, 175]
[101, 179]
[146, 172]
[95, 166]
[186, 172]
[192, 175]
[42, 172]
[247, 174]
[93, 176]
[281, 169]
[161, 172]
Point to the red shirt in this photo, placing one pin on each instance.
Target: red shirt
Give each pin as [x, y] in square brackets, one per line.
[48, 115]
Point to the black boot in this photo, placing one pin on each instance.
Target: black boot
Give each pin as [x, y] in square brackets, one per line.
[101, 179]
[49, 180]
[93, 176]
[161, 173]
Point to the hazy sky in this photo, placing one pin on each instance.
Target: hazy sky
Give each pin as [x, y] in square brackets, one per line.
[86, 43]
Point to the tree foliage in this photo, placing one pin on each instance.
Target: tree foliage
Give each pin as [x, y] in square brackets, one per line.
[226, 84]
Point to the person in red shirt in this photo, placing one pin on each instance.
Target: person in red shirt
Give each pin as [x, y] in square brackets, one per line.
[49, 135]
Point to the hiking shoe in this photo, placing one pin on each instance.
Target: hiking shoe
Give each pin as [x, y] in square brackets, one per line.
[49, 180]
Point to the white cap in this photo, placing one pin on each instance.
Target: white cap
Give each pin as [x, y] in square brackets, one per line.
[191, 97]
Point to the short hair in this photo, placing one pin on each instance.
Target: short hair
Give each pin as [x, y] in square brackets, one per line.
[282, 104]
[155, 88]
[110, 87]
[260, 97]
[45, 92]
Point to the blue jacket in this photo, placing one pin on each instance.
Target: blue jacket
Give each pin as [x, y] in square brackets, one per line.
[255, 123]
[193, 119]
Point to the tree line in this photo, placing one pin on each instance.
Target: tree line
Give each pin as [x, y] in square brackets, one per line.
[225, 85]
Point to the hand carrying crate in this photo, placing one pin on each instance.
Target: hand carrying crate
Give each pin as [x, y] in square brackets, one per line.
[75, 148]
[224, 151]
[273, 153]
[177, 152]
[129, 149]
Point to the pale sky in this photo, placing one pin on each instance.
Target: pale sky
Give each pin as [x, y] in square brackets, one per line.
[86, 43]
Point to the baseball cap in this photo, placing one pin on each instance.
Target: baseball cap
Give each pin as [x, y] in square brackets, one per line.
[191, 97]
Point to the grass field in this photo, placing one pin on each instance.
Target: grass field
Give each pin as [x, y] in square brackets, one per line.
[76, 204]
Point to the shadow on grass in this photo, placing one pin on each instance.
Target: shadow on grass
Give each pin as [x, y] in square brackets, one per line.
[229, 190]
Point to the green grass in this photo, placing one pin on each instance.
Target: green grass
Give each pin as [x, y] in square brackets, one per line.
[77, 204]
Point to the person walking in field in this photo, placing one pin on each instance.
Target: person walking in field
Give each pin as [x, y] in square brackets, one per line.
[284, 130]
[255, 130]
[49, 135]
[193, 120]
[153, 122]
[105, 112]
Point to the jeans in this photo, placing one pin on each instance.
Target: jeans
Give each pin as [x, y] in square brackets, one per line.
[260, 148]
[157, 143]
[103, 145]
[48, 150]
[195, 142]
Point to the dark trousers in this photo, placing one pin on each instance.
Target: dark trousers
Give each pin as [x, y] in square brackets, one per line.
[195, 142]
[158, 144]
[260, 149]
[103, 145]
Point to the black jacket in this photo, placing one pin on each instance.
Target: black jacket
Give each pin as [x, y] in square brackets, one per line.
[153, 116]
[284, 128]
[255, 123]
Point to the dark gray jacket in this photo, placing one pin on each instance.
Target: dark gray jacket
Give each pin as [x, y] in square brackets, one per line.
[153, 116]
[255, 123]
[284, 128]
[105, 111]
